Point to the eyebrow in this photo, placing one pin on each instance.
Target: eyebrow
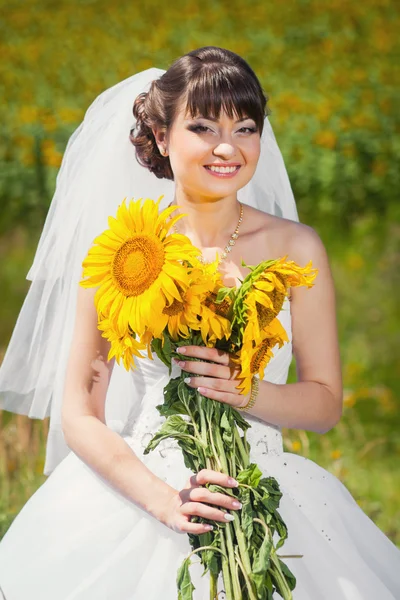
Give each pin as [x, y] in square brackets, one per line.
[210, 118]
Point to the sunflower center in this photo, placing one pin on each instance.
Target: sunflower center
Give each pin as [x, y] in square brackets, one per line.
[259, 356]
[137, 263]
[264, 315]
[276, 296]
[219, 308]
[174, 309]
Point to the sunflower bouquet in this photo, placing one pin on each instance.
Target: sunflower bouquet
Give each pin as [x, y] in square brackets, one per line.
[154, 296]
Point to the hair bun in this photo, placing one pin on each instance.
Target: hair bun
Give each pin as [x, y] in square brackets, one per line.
[142, 137]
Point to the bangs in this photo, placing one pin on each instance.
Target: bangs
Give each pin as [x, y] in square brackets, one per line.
[228, 88]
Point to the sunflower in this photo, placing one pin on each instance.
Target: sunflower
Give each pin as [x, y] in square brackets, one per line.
[263, 303]
[138, 266]
[254, 357]
[261, 296]
[180, 316]
[214, 324]
[124, 345]
[276, 279]
[215, 316]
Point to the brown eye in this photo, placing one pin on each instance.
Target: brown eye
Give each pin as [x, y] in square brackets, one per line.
[197, 128]
[250, 129]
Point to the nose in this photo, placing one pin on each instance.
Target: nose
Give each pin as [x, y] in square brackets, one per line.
[224, 149]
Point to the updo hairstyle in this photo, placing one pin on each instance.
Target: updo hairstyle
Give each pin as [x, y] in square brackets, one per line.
[209, 78]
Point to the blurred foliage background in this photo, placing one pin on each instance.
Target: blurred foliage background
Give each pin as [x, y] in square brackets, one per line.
[329, 68]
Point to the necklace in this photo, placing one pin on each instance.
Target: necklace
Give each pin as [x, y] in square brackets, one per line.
[229, 245]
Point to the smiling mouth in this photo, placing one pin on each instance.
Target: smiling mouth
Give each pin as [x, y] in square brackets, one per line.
[225, 172]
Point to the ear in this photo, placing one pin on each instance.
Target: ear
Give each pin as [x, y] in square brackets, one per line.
[161, 140]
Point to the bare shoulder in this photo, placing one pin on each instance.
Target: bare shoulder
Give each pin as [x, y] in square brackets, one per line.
[305, 243]
[299, 241]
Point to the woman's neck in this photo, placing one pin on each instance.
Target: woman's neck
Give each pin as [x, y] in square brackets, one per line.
[208, 223]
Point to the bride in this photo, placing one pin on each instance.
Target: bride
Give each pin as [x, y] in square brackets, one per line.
[111, 522]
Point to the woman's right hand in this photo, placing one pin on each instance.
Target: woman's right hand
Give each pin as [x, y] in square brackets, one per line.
[189, 501]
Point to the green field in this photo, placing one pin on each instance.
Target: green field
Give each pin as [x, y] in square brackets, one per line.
[329, 71]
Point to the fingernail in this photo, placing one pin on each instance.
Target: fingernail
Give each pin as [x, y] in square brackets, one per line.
[232, 481]
[209, 527]
[187, 379]
[181, 363]
[182, 350]
[236, 504]
[229, 517]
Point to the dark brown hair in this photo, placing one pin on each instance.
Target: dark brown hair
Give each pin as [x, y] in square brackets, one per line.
[209, 78]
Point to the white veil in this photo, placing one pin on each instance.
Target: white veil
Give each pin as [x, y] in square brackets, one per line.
[99, 169]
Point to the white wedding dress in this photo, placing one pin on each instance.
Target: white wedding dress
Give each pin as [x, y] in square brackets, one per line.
[78, 539]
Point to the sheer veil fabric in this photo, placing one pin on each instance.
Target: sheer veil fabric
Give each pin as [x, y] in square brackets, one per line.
[99, 169]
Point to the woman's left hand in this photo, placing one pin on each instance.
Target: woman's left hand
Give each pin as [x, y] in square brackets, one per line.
[216, 381]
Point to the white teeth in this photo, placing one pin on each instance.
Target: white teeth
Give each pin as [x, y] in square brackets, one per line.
[222, 169]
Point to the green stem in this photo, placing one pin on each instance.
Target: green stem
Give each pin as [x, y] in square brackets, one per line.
[233, 461]
[213, 586]
[249, 487]
[203, 429]
[237, 592]
[226, 576]
[276, 569]
[252, 595]
[193, 419]
[241, 540]
[284, 589]
[221, 451]
[214, 548]
[242, 449]
[219, 466]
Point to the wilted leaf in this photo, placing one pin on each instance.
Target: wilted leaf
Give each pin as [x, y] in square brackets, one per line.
[184, 582]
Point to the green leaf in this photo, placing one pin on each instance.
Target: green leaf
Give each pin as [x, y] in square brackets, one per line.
[184, 582]
[172, 404]
[261, 564]
[184, 392]
[173, 408]
[281, 528]
[243, 424]
[227, 434]
[210, 559]
[269, 586]
[191, 455]
[290, 578]
[174, 427]
[270, 504]
[247, 513]
[209, 412]
[223, 292]
[250, 476]
[214, 487]
[156, 347]
[272, 493]
[167, 347]
[209, 451]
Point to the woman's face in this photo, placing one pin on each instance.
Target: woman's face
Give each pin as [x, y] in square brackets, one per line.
[196, 144]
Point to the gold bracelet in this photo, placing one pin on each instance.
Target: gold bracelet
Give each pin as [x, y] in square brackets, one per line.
[253, 394]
